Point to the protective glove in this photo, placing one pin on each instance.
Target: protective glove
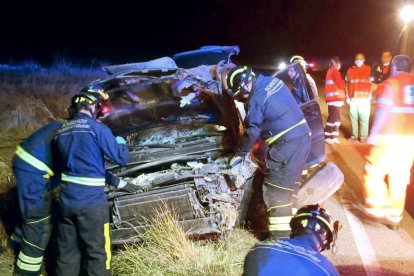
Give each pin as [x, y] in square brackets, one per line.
[120, 140]
[185, 100]
[237, 159]
[128, 187]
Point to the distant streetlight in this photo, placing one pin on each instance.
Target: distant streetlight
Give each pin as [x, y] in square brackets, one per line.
[406, 15]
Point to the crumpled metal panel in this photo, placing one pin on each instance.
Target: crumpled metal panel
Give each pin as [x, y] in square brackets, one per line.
[193, 191]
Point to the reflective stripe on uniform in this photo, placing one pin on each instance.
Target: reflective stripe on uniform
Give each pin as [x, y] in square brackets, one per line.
[28, 267]
[276, 220]
[31, 244]
[30, 260]
[384, 101]
[277, 136]
[328, 82]
[83, 180]
[358, 80]
[394, 219]
[107, 246]
[33, 161]
[276, 186]
[39, 220]
[279, 227]
[279, 206]
[402, 110]
[378, 212]
[377, 201]
[333, 94]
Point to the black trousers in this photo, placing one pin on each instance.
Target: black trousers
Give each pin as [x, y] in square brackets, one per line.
[333, 122]
[285, 162]
[84, 232]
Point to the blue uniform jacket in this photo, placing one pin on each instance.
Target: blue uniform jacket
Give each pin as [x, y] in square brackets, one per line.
[271, 110]
[31, 184]
[289, 257]
[38, 144]
[83, 143]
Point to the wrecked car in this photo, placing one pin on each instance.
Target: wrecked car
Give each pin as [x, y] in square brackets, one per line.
[181, 128]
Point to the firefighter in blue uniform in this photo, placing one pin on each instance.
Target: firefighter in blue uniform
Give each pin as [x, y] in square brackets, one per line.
[82, 143]
[313, 231]
[33, 169]
[274, 116]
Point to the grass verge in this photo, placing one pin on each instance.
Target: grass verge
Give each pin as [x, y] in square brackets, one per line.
[165, 250]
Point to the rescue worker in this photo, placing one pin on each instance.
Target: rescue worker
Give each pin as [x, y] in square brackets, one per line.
[334, 97]
[392, 155]
[382, 71]
[298, 85]
[34, 171]
[302, 62]
[313, 231]
[358, 91]
[82, 143]
[273, 116]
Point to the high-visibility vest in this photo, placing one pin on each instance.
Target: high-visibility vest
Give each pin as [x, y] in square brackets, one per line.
[334, 86]
[358, 82]
[398, 98]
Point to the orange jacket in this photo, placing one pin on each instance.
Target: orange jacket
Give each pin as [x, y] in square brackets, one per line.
[398, 100]
[358, 82]
[334, 86]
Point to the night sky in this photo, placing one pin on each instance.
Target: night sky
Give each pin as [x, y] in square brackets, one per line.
[130, 31]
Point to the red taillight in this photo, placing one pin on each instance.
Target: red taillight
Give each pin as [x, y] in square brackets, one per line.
[105, 109]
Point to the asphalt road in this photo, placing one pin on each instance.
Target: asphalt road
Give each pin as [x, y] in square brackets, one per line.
[364, 247]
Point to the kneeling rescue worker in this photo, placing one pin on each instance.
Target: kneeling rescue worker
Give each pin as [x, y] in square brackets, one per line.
[313, 231]
[82, 143]
[274, 116]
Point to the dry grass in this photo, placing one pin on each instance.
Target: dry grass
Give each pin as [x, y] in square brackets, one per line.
[6, 262]
[166, 250]
[30, 94]
[6, 182]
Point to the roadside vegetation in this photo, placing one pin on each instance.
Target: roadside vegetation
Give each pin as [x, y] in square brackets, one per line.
[30, 95]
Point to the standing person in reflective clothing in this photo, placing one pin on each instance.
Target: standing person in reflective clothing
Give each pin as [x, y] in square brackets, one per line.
[274, 116]
[334, 97]
[359, 94]
[381, 72]
[392, 154]
[82, 143]
[313, 231]
[34, 171]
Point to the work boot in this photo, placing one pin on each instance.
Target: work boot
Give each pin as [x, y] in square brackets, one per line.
[352, 139]
[393, 222]
[363, 140]
[393, 226]
[336, 141]
[329, 141]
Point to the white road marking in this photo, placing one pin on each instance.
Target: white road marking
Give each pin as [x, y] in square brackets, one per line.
[366, 252]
